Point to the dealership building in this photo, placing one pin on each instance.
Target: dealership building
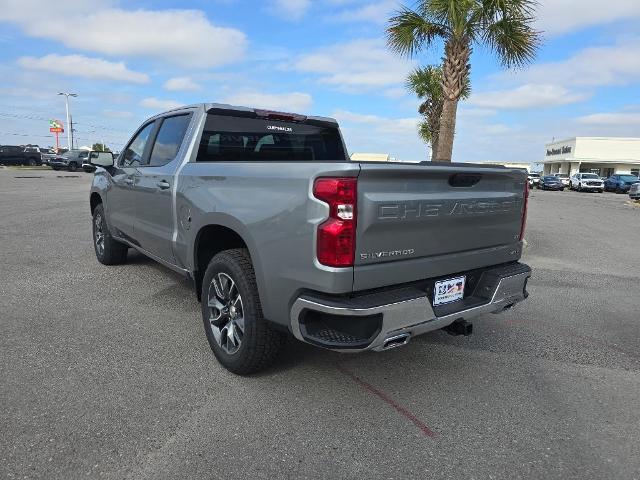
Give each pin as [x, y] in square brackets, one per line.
[603, 156]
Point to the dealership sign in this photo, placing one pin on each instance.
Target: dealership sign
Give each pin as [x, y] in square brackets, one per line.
[558, 151]
[55, 126]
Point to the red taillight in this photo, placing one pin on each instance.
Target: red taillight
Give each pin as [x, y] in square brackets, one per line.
[336, 244]
[525, 207]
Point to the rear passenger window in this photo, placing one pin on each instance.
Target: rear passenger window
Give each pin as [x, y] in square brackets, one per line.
[169, 139]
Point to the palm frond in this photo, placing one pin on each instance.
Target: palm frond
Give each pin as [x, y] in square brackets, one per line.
[513, 40]
[425, 82]
[424, 131]
[408, 32]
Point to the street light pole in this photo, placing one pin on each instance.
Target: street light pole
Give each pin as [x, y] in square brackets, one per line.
[69, 126]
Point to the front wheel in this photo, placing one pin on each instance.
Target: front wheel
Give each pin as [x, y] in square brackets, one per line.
[108, 250]
[600, 191]
[238, 334]
[73, 166]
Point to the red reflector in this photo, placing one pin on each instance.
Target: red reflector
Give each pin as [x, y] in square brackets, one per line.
[336, 237]
[525, 208]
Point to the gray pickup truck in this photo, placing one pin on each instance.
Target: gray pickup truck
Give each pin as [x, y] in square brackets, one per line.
[282, 234]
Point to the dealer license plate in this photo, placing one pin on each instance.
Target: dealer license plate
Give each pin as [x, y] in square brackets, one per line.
[447, 291]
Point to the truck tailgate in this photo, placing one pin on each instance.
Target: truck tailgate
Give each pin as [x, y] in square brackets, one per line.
[424, 221]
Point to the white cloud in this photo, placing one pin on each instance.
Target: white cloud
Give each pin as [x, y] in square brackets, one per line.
[557, 17]
[617, 64]
[526, 96]
[610, 119]
[81, 66]
[292, 102]
[292, 10]
[158, 104]
[182, 37]
[184, 84]
[375, 12]
[355, 65]
[368, 133]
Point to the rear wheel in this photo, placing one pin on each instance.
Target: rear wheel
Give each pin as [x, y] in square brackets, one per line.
[32, 162]
[238, 334]
[108, 250]
[73, 166]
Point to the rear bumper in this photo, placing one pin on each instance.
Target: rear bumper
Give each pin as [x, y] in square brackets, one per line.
[370, 321]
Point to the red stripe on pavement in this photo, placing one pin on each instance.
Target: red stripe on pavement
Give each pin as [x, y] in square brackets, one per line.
[385, 397]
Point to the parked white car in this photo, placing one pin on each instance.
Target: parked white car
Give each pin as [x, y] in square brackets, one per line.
[586, 181]
[563, 177]
[634, 191]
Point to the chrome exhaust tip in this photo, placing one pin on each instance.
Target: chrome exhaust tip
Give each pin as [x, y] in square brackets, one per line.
[396, 341]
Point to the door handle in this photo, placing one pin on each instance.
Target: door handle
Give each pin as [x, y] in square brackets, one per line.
[163, 184]
[128, 181]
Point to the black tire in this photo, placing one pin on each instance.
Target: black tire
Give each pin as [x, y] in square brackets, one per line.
[73, 166]
[618, 190]
[260, 343]
[599, 191]
[32, 162]
[113, 252]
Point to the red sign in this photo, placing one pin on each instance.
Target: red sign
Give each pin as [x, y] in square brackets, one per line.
[56, 130]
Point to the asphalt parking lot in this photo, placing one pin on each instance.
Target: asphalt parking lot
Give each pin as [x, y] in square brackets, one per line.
[106, 372]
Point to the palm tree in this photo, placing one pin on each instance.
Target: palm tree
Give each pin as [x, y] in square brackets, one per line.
[504, 26]
[426, 83]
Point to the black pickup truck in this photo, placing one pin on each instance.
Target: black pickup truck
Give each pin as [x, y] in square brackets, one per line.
[16, 155]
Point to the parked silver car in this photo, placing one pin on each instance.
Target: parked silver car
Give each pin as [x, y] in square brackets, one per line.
[634, 191]
[563, 177]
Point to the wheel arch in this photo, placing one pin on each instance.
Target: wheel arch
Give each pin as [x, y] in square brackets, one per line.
[212, 239]
[95, 199]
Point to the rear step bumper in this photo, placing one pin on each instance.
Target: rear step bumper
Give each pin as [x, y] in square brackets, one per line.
[389, 318]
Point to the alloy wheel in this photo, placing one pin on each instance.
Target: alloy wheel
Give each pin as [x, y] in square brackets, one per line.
[99, 234]
[226, 313]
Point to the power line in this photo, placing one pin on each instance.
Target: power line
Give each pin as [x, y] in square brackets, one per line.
[36, 117]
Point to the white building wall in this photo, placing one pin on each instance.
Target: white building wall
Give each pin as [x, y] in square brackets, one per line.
[602, 148]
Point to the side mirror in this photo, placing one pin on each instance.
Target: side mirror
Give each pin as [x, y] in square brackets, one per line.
[101, 159]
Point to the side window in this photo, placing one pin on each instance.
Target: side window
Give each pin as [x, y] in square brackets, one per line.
[132, 155]
[169, 139]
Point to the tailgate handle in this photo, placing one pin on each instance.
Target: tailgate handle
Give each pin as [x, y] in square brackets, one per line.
[464, 179]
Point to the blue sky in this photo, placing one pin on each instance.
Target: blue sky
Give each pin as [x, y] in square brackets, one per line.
[130, 60]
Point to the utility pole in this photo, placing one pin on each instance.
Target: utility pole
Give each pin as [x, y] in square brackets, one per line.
[69, 125]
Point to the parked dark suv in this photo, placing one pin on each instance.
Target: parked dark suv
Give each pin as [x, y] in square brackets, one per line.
[620, 183]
